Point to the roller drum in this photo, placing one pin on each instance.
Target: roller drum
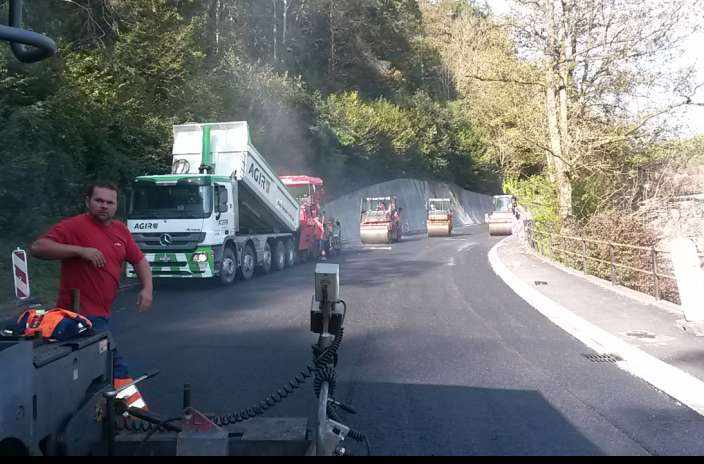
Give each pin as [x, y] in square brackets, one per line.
[500, 228]
[438, 229]
[374, 235]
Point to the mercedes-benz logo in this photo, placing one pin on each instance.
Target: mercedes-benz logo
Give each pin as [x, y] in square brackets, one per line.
[165, 240]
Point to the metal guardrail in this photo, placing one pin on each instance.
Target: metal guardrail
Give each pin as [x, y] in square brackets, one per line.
[658, 263]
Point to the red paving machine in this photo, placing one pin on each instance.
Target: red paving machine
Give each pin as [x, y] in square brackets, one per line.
[380, 220]
[315, 228]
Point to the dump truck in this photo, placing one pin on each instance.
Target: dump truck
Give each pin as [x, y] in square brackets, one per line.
[504, 215]
[221, 213]
[439, 216]
[380, 220]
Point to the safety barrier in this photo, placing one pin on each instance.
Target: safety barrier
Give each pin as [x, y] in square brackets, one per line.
[642, 268]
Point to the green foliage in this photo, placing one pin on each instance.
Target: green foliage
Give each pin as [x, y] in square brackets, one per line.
[353, 92]
[416, 136]
[540, 197]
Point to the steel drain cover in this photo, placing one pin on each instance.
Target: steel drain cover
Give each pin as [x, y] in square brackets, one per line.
[603, 358]
[640, 334]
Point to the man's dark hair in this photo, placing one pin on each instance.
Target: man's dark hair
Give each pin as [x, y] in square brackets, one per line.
[106, 185]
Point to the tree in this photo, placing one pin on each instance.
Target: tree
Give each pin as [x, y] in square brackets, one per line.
[603, 63]
[502, 94]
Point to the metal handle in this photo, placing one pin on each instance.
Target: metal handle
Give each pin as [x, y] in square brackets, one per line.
[42, 46]
[149, 375]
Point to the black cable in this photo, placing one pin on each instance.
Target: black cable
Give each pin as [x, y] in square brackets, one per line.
[157, 427]
[322, 360]
[359, 436]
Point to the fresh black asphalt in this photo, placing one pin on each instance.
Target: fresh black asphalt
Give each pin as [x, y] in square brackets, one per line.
[439, 357]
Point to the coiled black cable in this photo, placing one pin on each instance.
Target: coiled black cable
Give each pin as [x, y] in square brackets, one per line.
[132, 424]
[156, 428]
[359, 436]
[324, 374]
[318, 369]
[321, 362]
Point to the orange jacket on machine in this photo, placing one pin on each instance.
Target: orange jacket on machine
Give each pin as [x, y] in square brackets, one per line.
[55, 324]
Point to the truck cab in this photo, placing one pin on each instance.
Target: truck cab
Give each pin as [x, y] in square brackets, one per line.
[221, 212]
[183, 222]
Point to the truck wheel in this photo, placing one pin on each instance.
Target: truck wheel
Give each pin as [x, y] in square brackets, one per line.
[249, 261]
[265, 267]
[290, 253]
[228, 267]
[278, 260]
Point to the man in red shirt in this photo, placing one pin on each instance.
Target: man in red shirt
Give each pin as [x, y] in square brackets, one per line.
[92, 248]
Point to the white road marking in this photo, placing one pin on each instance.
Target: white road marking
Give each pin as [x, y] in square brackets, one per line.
[677, 383]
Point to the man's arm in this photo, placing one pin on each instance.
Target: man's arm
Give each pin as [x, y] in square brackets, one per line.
[145, 297]
[45, 248]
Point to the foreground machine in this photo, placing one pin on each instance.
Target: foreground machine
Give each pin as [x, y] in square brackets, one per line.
[504, 215]
[380, 220]
[58, 399]
[439, 217]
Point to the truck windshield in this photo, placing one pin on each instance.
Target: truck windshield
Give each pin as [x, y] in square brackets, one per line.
[150, 201]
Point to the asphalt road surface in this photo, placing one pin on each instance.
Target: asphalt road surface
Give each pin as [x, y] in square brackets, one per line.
[439, 357]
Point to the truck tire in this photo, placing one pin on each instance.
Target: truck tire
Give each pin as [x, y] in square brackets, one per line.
[290, 253]
[249, 262]
[228, 267]
[278, 258]
[265, 267]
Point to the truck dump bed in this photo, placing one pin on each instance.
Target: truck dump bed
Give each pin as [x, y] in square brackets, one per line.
[263, 198]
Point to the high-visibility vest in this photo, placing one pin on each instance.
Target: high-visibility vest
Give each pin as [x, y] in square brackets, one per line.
[55, 324]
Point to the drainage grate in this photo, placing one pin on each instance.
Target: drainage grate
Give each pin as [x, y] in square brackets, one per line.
[640, 334]
[603, 358]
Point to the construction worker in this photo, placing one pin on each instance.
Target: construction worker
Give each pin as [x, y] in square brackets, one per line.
[93, 248]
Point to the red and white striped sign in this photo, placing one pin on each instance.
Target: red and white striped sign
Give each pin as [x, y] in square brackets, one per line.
[21, 274]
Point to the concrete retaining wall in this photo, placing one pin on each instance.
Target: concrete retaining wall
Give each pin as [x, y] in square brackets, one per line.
[412, 194]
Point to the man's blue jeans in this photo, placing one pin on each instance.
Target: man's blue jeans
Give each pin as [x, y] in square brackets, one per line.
[119, 366]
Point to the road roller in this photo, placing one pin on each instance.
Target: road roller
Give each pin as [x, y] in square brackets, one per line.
[504, 215]
[380, 220]
[439, 217]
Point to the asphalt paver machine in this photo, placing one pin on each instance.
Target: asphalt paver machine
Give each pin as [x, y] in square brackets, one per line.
[58, 399]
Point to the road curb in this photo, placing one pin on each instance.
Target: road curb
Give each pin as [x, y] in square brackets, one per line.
[675, 382]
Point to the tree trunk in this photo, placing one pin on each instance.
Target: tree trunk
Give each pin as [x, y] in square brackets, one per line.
[275, 31]
[556, 109]
[331, 63]
[283, 27]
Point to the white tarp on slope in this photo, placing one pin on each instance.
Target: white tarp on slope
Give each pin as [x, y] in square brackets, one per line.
[412, 194]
